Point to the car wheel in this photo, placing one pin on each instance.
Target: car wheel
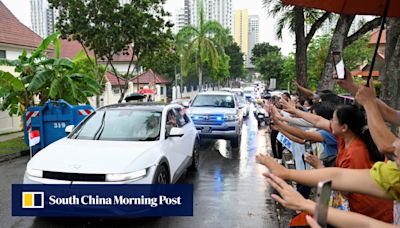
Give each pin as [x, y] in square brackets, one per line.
[235, 142]
[161, 175]
[195, 157]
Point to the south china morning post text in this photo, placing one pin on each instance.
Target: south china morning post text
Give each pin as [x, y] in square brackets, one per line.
[102, 200]
[116, 200]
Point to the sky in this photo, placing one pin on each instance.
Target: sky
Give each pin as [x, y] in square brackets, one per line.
[21, 9]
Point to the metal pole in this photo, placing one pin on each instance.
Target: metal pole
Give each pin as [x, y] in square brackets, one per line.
[180, 88]
[378, 40]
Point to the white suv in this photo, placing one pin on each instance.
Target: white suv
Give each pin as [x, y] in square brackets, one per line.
[216, 115]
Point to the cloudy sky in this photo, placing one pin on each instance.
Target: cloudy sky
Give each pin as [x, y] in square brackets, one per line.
[21, 9]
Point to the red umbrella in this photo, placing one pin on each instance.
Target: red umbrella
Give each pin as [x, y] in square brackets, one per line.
[364, 7]
[146, 91]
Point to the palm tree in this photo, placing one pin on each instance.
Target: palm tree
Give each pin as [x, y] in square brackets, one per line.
[202, 43]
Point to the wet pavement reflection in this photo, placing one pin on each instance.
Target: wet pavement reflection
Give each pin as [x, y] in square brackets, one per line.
[229, 191]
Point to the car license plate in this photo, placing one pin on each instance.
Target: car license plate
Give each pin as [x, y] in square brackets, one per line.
[206, 130]
[260, 116]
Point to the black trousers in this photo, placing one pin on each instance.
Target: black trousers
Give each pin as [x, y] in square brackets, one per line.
[276, 145]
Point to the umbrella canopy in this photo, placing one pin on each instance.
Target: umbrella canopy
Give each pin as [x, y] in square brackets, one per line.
[352, 7]
[146, 91]
[382, 8]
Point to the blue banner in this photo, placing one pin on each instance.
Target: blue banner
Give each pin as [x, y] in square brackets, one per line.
[102, 200]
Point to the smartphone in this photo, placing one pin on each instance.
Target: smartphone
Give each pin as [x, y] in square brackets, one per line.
[339, 65]
[322, 200]
[307, 145]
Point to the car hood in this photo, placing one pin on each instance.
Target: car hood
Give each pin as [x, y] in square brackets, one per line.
[211, 110]
[91, 156]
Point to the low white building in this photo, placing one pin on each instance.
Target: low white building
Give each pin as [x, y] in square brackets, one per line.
[14, 38]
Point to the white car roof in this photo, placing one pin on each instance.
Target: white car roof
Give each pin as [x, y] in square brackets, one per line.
[215, 93]
[237, 90]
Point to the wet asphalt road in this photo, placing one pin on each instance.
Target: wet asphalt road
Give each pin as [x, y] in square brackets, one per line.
[229, 190]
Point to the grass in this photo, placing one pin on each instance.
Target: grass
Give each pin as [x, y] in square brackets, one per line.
[13, 146]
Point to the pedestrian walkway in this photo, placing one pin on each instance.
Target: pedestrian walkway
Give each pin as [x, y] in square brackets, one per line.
[11, 136]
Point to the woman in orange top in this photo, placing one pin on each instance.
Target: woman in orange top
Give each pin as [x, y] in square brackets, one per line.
[356, 150]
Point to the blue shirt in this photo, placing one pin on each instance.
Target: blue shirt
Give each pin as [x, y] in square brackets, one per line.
[330, 143]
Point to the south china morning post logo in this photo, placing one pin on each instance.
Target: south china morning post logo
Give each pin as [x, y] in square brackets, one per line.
[102, 200]
[32, 200]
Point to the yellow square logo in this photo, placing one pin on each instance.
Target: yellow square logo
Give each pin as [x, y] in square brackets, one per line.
[32, 199]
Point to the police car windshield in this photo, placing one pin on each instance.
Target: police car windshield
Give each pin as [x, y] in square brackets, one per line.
[220, 101]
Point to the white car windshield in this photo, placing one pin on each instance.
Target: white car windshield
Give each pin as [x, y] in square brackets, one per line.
[221, 101]
[120, 125]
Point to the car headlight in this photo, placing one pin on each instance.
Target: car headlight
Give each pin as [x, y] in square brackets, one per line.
[127, 176]
[231, 117]
[34, 172]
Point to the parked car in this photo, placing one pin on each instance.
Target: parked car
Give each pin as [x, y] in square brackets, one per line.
[217, 115]
[121, 144]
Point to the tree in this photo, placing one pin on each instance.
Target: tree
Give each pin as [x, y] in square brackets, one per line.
[294, 18]
[340, 40]
[108, 29]
[268, 60]
[288, 71]
[391, 75]
[236, 66]
[318, 51]
[204, 42]
[49, 78]
[164, 61]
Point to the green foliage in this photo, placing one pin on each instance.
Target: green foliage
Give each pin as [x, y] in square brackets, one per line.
[50, 78]
[268, 60]
[316, 57]
[236, 66]
[355, 55]
[288, 72]
[109, 29]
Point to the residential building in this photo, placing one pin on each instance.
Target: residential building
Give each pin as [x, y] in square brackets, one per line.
[181, 19]
[254, 32]
[241, 32]
[15, 37]
[216, 10]
[38, 17]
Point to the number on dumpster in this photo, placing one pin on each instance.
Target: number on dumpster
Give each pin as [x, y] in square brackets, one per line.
[59, 125]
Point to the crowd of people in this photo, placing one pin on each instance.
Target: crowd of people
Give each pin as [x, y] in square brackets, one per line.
[351, 145]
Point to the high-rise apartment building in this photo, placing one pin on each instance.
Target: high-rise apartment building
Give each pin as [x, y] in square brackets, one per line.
[181, 19]
[216, 10]
[254, 30]
[38, 17]
[241, 32]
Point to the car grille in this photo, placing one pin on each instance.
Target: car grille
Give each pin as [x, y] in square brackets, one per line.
[74, 176]
[212, 119]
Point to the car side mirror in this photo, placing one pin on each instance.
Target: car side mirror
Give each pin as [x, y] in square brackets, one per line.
[176, 132]
[69, 128]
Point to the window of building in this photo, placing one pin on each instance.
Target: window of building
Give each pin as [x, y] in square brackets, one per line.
[2, 54]
[162, 90]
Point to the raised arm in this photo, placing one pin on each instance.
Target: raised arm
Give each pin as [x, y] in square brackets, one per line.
[297, 132]
[348, 180]
[307, 92]
[380, 133]
[315, 120]
[291, 199]
[388, 113]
